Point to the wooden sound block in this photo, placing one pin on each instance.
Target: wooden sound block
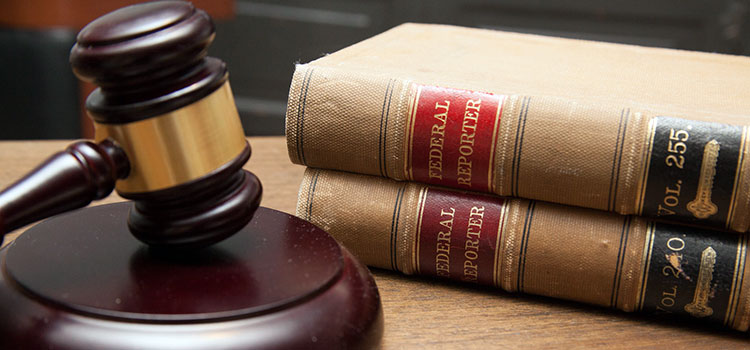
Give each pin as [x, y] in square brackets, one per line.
[82, 281]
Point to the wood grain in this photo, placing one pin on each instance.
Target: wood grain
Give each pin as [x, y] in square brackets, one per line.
[424, 313]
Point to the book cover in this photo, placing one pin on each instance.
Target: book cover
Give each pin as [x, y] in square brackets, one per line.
[585, 255]
[634, 130]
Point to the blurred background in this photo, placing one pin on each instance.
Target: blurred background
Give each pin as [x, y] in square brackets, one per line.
[261, 41]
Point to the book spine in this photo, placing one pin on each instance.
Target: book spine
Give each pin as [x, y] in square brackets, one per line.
[585, 255]
[629, 160]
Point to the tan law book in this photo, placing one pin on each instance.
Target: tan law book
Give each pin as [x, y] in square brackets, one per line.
[591, 256]
[635, 130]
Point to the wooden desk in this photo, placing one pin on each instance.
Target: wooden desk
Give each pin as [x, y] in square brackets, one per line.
[421, 313]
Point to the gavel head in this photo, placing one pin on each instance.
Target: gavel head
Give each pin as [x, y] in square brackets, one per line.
[170, 108]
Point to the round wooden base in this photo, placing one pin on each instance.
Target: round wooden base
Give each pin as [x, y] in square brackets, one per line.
[81, 281]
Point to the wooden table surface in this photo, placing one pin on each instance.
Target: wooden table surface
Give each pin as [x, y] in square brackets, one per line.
[422, 313]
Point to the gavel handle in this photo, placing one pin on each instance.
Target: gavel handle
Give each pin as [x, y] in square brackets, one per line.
[70, 179]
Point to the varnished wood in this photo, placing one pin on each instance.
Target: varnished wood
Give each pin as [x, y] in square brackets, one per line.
[253, 277]
[81, 281]
[422, 313]
[149, 60]
[69, 179]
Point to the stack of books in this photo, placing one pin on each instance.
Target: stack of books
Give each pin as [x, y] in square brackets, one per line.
[608, 174]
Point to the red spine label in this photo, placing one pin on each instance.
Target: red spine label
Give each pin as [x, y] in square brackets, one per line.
[451, 137]
[458, 235]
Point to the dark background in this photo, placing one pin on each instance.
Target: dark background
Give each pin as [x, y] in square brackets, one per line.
[261, 42]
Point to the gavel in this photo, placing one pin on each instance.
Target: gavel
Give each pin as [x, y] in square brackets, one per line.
[168, 135]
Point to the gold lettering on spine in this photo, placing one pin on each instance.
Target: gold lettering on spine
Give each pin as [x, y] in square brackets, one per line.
[437, 139]
[701, 206]
[471, 245]
[699, 307]
[466, 145]
[443, 245]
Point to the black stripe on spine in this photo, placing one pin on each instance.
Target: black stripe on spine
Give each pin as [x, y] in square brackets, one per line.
[618, 160]
[520, 145]
[385, 136]
[620, 261]
[524, 245]
[384, 126]
[610, 202]
[649, 243]
[515, 147]
[301, 117]
[311, 194]
[394, 225]
[299, 111]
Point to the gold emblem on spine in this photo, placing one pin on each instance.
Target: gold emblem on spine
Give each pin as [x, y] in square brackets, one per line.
[699, 307]
[701, 206]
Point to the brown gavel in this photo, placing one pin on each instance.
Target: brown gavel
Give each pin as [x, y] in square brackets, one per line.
[168, 135]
